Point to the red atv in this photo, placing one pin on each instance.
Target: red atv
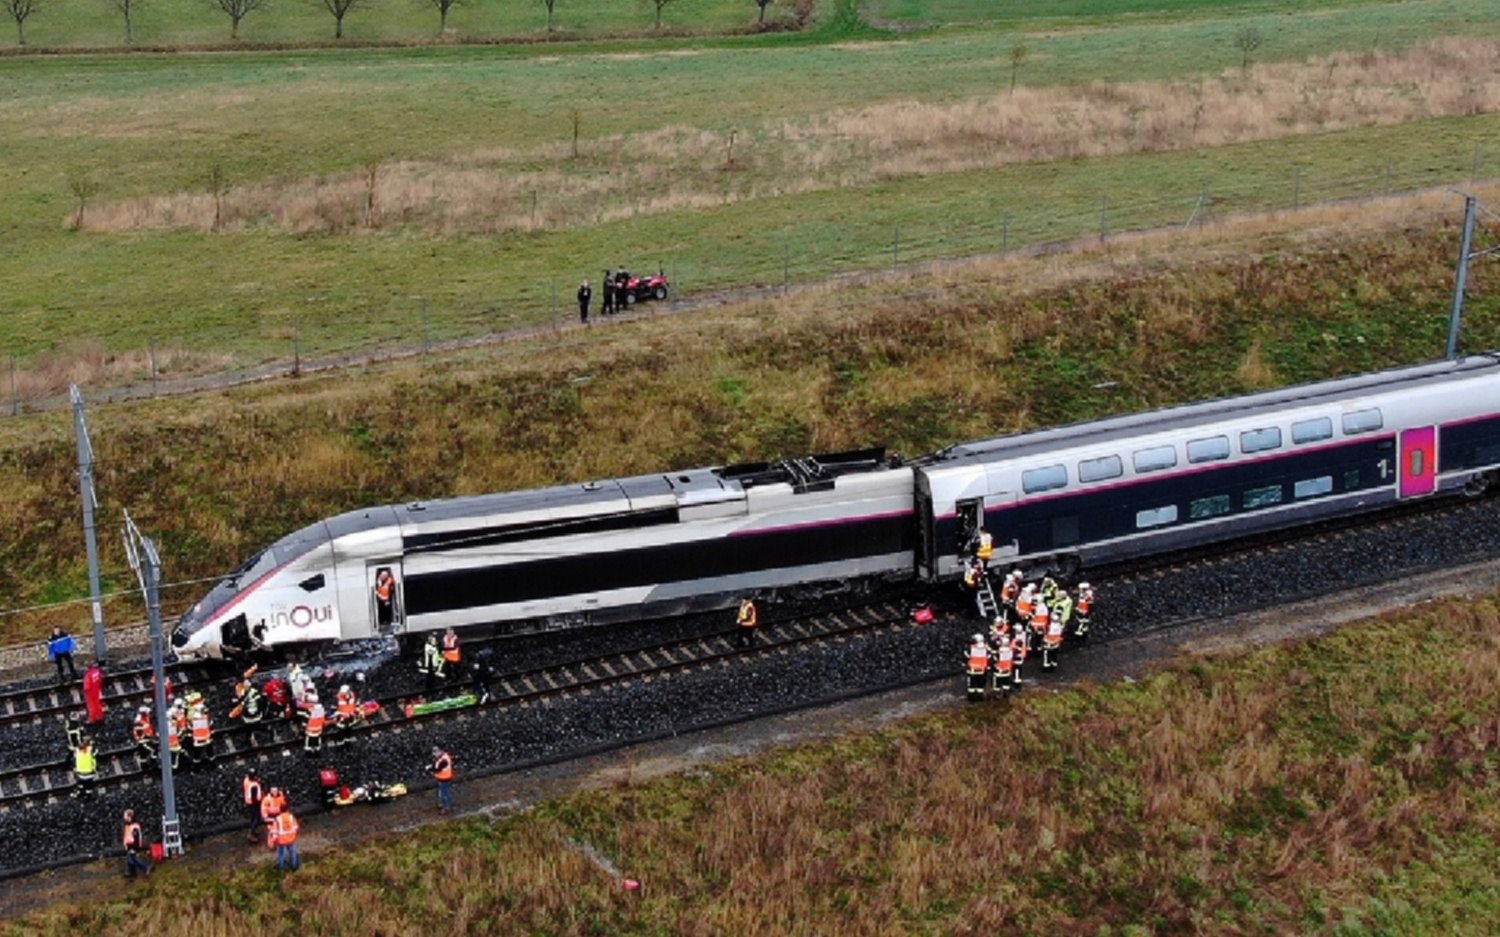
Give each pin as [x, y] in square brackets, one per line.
[637, 289]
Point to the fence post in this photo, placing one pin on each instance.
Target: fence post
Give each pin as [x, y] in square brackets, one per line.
[15, 396]
[786, 268]
[1474, 172]
[676, 286]
[296, 346]
[896, 249]
[1103, 217]
[151, 356]
[1005, 235]
[1296, 187]
[554, 298]
[1387, 175]
[426, 344]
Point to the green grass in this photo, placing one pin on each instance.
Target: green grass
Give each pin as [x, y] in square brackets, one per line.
[1028, 13]
[1199, 799]
[155, 124]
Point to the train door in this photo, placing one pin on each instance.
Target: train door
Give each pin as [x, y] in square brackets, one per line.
[387, 607]
[970, 519]
[1418, 471]
[927, 560]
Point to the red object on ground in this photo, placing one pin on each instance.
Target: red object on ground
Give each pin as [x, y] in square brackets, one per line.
[93, 693]
[923, 615]
[630, 884]
[158, 852]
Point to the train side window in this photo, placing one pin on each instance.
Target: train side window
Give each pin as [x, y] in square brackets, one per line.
[1260, 440]
[1211, 449]
[1208, 507]
[1093, 470]
[1351, 480]
[1044, 479]
[1260, 497]
[1414, 470]
[1362, 421]
[1155, 517]
[313, 584]
[1312, 487]
[1312, 430]
[1155, 459]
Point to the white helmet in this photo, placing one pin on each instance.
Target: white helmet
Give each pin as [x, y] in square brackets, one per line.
[344, 688]
[1083, 585]
[978, 638]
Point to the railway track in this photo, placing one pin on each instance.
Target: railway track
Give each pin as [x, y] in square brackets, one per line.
[23, 705]
[41, 784]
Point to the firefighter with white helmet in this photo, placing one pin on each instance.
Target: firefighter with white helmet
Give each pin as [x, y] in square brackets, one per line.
[977, 665]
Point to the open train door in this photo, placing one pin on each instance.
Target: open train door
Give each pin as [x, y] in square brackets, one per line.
[1418, 474]
[385, 586]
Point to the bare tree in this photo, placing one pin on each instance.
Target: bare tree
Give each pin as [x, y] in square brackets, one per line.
[83, 188]
[339, 9]
[127, 9]
[19, 10]
[660, 5]
[372, 175]
[443, 6]
[551, 6]
[237, 10]
[1247, 39]
[217, 184]
[763, 4]
[1018, 53]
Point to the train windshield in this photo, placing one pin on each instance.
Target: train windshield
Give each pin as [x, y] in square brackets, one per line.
[282, 551]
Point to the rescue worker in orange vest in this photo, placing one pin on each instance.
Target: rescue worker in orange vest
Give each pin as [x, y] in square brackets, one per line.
[385, 594]
[272, 804]
[748, 619]
[133, 841]
[1018, 646]
[977, 665]
[283, 837]
[1025, 604]
[1083, 611]
[316, 718]
[450, 650]
[442, 772]
[1004, 665]
[984, 547]
[1052, 642]
[431, 665]
[144, 735]
[254, 796]
[1041, 617]
[176, 729]
[346, 705]
[1009, 590]
[202, 728]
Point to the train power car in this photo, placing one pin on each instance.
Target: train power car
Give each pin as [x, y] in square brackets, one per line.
[654, 545]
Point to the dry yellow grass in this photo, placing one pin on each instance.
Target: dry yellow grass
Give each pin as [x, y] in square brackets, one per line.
[680, 167]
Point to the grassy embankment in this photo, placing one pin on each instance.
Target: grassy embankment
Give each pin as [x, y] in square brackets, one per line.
[914, 365]
[1348, 784]
[481, 208]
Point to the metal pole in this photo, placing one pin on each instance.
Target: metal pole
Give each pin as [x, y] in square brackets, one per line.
[426, 345]
[90, 541]
[786, 268]
[1297, 188]
[296, 347]
[1461, 278]
[554, 299]
[151, 354]
[147, 564]
[15, 396]
[1103, 217]
[896, 250]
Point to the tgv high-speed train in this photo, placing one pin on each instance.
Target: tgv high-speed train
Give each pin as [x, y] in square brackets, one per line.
[631, 548]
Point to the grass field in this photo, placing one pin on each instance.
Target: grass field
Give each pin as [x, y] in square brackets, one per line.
[914, 366]
[145, 127]
[1317, 787]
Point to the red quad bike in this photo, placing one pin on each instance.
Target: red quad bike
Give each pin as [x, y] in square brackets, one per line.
[651, 286]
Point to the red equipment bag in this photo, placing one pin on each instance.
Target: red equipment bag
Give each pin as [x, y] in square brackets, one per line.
[329, 778]
[158, 852]
[923, 615]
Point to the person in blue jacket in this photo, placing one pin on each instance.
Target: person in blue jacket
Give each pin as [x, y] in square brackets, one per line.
[60, 648]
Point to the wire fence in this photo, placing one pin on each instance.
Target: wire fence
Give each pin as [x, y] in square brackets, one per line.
[888, 238]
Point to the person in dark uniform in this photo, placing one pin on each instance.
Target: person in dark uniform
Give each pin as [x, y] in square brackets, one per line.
[622, 280]
[585, 296]
[608, 286]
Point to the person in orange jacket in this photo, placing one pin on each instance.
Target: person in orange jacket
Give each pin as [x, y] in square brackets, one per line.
[282, 836]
